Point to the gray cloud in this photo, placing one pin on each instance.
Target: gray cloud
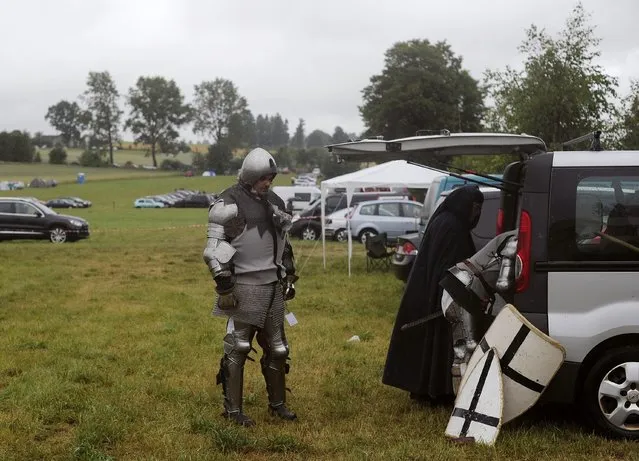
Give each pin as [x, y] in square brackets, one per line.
[301, 59]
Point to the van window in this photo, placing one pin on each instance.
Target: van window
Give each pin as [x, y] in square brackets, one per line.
[332, 202]
[303, 196]
[594, 215]
[607, 217]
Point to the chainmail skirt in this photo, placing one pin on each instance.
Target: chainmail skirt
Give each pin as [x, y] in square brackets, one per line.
[254, 304]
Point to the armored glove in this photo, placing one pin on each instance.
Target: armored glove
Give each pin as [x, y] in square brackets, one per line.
[289, 287]
[224, 289]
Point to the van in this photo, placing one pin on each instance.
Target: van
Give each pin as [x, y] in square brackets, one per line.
[297, 198]
[445, 183]
[576, 215]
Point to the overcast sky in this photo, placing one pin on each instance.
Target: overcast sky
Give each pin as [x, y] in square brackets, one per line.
[301, 58]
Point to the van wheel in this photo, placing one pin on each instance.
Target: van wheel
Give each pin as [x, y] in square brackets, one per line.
[58, 235]
[341, 235]
[610, 394]
[365, 234]
[309, 233]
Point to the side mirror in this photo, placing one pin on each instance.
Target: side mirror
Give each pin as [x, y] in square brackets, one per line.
[39, 214]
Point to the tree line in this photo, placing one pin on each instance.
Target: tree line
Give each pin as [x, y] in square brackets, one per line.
[158, 109]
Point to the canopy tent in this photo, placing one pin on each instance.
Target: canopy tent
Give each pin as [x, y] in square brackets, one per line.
[397, 173]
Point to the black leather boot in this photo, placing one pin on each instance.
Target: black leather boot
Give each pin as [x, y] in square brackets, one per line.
[282, 412]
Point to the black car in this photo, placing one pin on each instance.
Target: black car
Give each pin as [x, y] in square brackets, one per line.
[80, 201]
[194, 201]
[407, 245]
[62, 203]
[25, 219]
[308, 224]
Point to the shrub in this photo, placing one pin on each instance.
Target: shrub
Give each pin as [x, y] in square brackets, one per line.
[58, 155]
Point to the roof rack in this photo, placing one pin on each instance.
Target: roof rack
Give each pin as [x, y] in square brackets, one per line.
[443, 132]
[594, 138]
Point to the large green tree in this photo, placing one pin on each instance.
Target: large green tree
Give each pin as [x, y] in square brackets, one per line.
[217, 104]
[561, 93]
[422, 86]
[157, 111]
[339, 135]
[16, 146]
[102, 99]
[318, 138]
[69, 119]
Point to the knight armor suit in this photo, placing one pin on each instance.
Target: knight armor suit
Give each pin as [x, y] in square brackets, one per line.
[252, 264]
[471, 296]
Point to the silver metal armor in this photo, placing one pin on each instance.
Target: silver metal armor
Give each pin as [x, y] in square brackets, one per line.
[470, 298]
[252, 264]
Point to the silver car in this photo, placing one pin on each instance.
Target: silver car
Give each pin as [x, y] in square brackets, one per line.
[393, 217]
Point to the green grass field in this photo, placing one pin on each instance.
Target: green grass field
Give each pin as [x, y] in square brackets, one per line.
[108, 351]
[136, 156]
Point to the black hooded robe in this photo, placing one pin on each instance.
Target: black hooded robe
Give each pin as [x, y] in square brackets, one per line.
[419, 358]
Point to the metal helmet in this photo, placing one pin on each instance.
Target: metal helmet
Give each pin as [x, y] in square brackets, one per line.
[257, 163]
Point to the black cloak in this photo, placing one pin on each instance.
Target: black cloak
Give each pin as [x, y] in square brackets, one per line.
[419, 359]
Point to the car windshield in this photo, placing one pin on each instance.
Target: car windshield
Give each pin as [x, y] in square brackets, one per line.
[45, 209]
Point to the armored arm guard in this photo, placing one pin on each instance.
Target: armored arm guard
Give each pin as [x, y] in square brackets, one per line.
[218, 252]
[288, 261]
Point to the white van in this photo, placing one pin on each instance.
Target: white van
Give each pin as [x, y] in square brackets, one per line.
[297, 198]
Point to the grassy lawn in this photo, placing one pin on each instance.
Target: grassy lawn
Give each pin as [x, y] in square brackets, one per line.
[108, 351]
[136, 156]
[25, 172]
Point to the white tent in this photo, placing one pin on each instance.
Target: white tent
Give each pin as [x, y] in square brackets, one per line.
[397, 173]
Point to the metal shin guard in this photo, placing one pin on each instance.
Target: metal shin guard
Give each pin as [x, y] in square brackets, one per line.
[464, 341]
[237, 345]
[274, 366]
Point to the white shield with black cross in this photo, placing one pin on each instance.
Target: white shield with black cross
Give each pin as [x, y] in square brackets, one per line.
[529, 359]
[477, 414]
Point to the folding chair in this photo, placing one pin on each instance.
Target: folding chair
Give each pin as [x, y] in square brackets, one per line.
[378, 256]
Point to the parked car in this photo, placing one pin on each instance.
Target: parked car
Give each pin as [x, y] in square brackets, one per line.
[408, 245]
[62, 203]
[392, 217]
[335, 225]
[83, 203]
[25, 219]
[308, 225]
[147, 203]
[194, 201]
[576, 214]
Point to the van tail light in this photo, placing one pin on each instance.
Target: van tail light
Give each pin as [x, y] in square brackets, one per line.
[524, 242]
[500, 221]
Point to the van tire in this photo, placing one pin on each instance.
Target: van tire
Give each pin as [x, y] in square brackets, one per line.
[610, 375]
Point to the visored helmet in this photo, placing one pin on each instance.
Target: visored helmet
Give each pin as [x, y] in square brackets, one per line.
[257, 163]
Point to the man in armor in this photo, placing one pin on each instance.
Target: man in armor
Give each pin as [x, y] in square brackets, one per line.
[251, 261]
